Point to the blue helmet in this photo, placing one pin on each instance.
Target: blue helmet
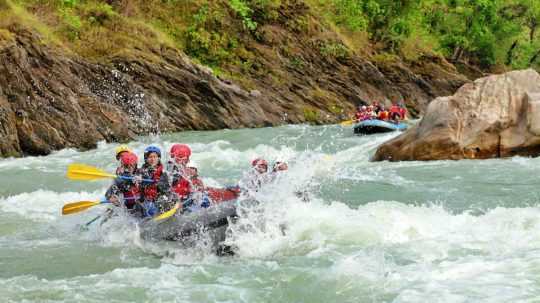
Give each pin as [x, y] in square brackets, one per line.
[152, 149]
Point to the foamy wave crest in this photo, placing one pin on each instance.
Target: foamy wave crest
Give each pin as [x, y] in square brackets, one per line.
[43, 204]
[289, 226]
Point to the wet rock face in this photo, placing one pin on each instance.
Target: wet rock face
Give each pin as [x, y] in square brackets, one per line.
[496, 116]
[47, 104]
[51, 99]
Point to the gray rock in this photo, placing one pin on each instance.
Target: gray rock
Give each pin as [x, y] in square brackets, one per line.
[496, 116]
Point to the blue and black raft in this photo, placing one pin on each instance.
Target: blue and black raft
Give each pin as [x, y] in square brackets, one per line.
[188, 228]
[375, 126]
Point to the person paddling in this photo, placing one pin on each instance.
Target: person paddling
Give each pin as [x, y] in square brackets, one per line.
[153, 194]
[394, 113]
[383, 114]
[259, 175]
[178, 171]
[119, 151]
[198, 193]
[359, 115]
[125, 190]
[402, 111]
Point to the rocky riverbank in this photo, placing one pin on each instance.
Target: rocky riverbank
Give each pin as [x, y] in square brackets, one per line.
[52, 98]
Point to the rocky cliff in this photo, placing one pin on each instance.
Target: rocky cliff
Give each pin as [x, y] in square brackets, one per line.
[496, 116]
[51, 97]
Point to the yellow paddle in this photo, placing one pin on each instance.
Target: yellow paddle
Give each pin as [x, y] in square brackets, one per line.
[78, 171]
[76, 207]
[347, 122]
[168, 213]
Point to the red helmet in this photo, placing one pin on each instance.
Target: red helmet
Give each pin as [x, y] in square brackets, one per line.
[128, 158]
[259, 161]
[180, 150]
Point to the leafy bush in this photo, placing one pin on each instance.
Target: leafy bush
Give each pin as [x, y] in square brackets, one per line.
[311, 115]
[72, 24]
[70, 3]
[207, 41]
[98, 13]
[334, 50]
[244, 11]
[487, 32]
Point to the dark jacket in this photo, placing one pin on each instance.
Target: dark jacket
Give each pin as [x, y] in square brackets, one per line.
[126, 189]
[151, 191]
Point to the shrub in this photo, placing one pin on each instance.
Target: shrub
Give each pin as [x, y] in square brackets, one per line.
[311, 115]
[334, 50]
[245, 12]
[207, 40]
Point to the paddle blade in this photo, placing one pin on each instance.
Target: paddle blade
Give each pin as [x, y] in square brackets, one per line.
[77, 171]
[348, 122]
[168, 213]
[73, 208]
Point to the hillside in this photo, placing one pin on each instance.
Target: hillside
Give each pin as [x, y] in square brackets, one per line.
[76, 72]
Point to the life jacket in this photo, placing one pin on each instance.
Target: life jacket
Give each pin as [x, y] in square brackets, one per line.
[365, 116]
[181, 187]
[131, 194]
[394, 112]
[223, 194]
[402, 112]
[150, 191]
[197, 184]
[383, 115]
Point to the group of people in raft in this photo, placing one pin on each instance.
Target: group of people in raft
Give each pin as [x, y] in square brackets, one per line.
[155, 187]
[395, 113]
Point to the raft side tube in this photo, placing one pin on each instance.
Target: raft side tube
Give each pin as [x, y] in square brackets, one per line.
[377, 126]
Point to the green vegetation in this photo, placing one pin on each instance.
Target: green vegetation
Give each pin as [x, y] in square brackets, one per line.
[488, 33]
[221, 34]
[334, 49]
[311, 115]
[245, 12]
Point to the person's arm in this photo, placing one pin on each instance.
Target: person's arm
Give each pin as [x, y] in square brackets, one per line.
[163, 183]
[280, 166]
[112, 194]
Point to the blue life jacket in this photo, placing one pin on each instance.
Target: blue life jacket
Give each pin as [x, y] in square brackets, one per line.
[149, 209]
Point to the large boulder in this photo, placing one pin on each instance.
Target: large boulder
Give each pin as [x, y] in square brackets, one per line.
[496, 116]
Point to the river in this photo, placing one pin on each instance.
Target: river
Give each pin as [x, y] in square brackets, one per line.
[440, 231]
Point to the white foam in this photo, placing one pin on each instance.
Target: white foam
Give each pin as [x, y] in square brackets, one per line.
[44, 205]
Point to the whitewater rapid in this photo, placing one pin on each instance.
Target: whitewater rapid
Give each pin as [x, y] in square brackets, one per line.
[443, 231]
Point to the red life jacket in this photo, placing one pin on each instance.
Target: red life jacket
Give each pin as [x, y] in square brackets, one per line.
[151, 191]
[198, 184]
[218, 195]
[182, 187]
[402, 112]
[131, 196]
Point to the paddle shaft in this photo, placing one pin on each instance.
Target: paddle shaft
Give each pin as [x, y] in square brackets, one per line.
[131, 178]
[92, 221]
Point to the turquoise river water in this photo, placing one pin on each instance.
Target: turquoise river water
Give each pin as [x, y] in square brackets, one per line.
[441, 231]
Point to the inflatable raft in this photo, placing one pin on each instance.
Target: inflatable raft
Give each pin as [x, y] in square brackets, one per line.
[188, 227]
[367, 127]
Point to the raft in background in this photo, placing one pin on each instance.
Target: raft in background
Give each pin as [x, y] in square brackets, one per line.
[374, 126]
